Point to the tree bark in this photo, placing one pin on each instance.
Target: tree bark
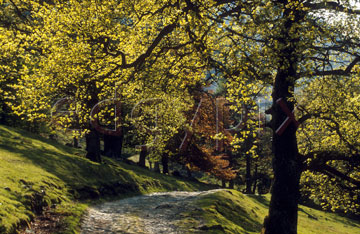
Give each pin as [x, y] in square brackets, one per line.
[283, 211]
[142, 157]
[76, 142]
[223, 183]
[157, 167]
[165, 163]
[113, 146]
[248, 179]
[255, 179]
[231, 184]
[93, 145]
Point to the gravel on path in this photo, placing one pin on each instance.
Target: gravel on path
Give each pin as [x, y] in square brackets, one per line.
[155, 213]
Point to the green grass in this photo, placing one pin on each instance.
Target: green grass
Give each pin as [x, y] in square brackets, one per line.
[230, 211]
[36, 172]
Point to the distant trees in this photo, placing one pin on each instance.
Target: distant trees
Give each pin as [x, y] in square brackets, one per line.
[251, 142]
[157, 123]
[206, 145]
[252, 152]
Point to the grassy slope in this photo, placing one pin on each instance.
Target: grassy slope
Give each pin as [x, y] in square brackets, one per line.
[230, 211]
[36, 172]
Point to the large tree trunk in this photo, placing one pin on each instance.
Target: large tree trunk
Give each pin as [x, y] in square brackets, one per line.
[113, 145]
[93, 145]
[283, 212]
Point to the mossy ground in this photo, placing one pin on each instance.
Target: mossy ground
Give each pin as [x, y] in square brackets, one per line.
[229, 211]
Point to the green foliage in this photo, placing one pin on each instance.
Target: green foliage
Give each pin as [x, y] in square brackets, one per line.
[157, 120]
[85, 52]
[90, 51]
[330, 141]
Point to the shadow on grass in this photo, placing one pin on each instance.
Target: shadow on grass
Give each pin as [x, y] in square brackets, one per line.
[84, 176]
[244, 219]
[232, 211]
[263, 200]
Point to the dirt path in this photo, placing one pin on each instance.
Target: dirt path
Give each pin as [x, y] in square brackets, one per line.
[151, 214]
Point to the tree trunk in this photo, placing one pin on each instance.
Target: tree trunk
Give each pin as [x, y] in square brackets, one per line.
[231, 184]
[283, 211]
[142, 157]
[189, 175]
[76, 142]
[113, 146]
[223, 183]
[248, 179]
[157, 167]
[93, 145]
[150, 165]
[165, 163]
[231, 164]
[255, 178]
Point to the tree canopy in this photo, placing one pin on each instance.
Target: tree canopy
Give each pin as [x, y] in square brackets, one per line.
[89, 50]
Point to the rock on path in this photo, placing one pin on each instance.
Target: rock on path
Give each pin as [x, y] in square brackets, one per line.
[151, 214]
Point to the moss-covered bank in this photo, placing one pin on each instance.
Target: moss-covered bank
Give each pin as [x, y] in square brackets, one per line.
[231, 212]
[37, 173]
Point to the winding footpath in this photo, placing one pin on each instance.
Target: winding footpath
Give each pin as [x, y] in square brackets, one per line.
[148, 214]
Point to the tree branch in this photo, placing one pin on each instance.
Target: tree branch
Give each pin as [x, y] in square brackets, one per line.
[336, 6]
[339, 174]
[339, 72]
[319, 161]
[141, 59]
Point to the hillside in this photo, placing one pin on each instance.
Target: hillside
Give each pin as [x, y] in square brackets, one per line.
[37, 173]
[229, 211]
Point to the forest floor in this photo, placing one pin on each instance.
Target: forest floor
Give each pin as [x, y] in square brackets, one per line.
[47, 187]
